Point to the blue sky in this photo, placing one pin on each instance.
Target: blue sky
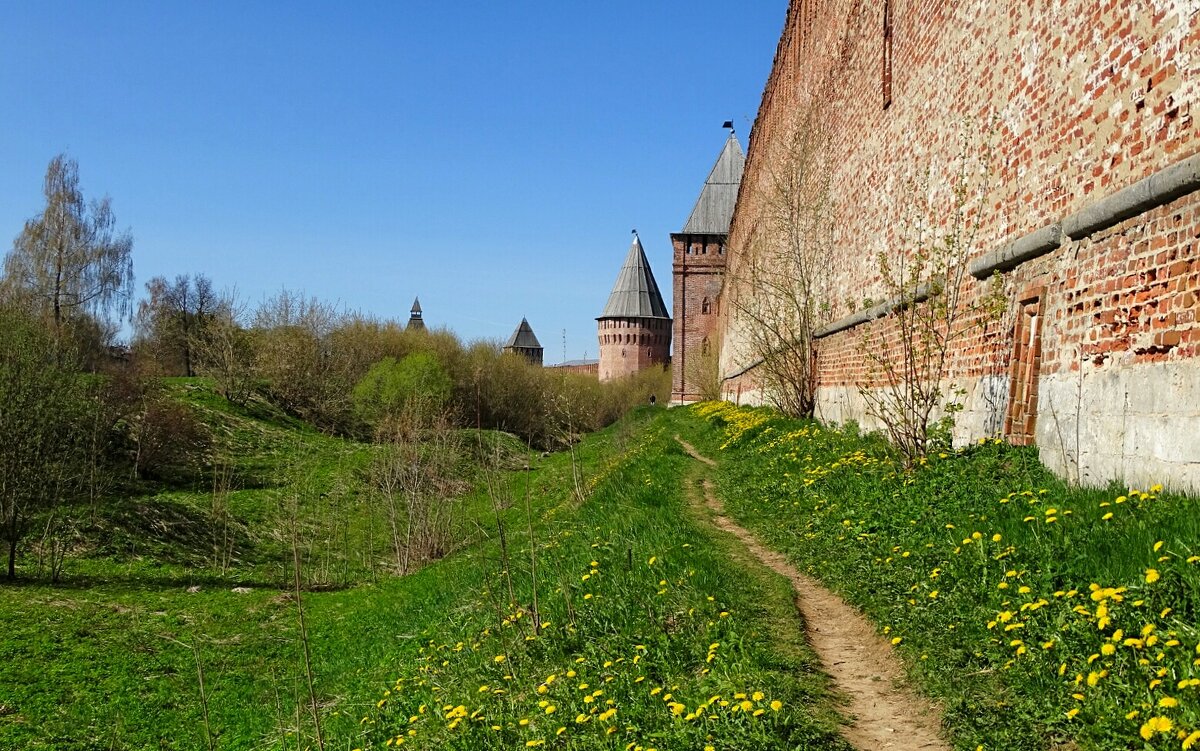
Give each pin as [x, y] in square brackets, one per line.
[489, 157]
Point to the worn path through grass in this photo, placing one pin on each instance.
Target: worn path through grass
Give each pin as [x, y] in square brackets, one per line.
[887, 715]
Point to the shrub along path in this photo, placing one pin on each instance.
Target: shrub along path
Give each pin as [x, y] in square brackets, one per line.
[888, 716]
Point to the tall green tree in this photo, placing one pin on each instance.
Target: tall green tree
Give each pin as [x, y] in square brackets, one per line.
[70, 258]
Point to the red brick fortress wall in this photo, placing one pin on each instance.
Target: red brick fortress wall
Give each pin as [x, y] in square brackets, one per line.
[588, 369]
[1082, 114]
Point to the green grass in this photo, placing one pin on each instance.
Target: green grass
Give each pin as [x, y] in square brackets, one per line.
[1038, 614]
[668, 618]
[653, 637]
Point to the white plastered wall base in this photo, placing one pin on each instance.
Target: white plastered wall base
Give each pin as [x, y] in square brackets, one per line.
[1138, 424]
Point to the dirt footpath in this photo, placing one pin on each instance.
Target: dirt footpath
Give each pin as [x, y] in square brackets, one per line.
[886, 715]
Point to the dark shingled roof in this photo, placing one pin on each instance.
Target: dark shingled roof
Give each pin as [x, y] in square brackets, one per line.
[714, 209]
[416, 308]
[635, 295]
[523, 338]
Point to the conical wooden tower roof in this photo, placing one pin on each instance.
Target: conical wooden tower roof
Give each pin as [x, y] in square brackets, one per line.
[713, 211]
[635, 295]
[523, 338]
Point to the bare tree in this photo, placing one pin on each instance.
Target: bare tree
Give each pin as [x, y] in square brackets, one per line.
[296, 358]
[703, 370]
[224, 349]
[414, 474]
[175, 316]
[924, 274]
[783, 275]
[70, 257]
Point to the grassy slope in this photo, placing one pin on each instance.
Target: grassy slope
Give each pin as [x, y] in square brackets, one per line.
[637, 597]
[1037, 613]
[109, 659]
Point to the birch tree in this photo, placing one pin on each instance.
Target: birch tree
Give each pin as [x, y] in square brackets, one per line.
[70, 258]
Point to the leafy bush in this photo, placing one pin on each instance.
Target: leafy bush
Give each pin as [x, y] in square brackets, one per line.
[416, 385]
[40, 399]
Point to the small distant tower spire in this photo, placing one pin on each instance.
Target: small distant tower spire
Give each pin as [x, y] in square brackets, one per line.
[523, 342]
[415, 319]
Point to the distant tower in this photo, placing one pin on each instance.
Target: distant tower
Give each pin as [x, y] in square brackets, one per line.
[523, 342]
[415, 321]
[635, 328]
[700, 259]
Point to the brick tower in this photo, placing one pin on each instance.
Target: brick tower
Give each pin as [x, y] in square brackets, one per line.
[635, 328]
[699, 268]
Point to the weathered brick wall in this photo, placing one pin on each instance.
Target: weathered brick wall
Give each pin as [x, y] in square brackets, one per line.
[1064, 103]
[588, 369]
[698, 270]
[628, 345]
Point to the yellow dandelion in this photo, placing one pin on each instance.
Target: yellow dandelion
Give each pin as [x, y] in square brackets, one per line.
[1156, 725]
